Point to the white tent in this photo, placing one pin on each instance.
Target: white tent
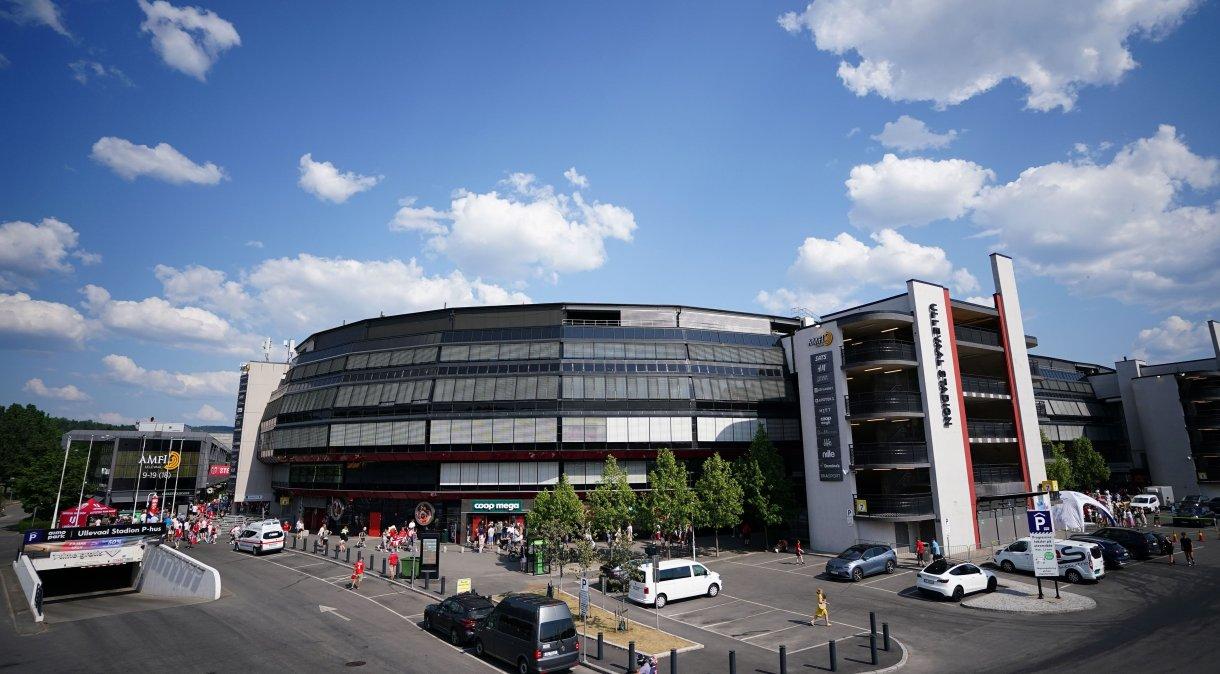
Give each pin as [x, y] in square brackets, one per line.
[1068, 513]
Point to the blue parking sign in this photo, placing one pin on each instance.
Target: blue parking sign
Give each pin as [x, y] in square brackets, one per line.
[1039, 521]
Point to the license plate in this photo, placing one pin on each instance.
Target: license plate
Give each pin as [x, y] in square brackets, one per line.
[546, 654]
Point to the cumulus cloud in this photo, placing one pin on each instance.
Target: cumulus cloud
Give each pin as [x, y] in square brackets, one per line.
[162, 162]
[576, 179]
[913, 191]
[528, 230]
[154, 319]
[36, 324]
[28, 250]
[1174, 338]
[947, 51]
[36, 12]
[327, 183]
[907, 134]
[209, 288]
[985, 300]
[84, 70]
[827, 272]
[67, 392]
[188, 39]
[179, 384]
[209, 414]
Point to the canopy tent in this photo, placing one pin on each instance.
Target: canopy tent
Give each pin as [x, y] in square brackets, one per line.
[1068, 513]
[75, 517]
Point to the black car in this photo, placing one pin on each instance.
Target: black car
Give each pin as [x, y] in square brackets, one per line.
[1193, 516]
[457, 616]
[1112, 552]
[1213, 505]
[1141, 544]
[1163, 543]
[532, 632]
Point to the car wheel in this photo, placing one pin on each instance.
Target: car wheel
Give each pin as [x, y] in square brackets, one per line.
[958, 593]
[1073, 576]
[713, 590]
[523, 666]
[454, 637]
[660, 601]
[857, 574]
[889, 566]
[1007, 566]
[991, 584]
[478, 648]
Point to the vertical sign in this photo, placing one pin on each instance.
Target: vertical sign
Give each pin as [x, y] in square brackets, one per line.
[1042, 543]
[826, 410]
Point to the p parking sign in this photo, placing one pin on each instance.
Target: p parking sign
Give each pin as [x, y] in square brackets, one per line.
[1042, 543]
[1040, 522]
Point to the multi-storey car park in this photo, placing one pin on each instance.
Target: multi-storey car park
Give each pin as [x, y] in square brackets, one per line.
[475, 410]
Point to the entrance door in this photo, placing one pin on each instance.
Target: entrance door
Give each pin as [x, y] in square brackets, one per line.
[902, 537]
[374, 524]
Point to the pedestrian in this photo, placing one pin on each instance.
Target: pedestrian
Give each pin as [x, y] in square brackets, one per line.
[919, 551]
[745, 534]
[1156, 518]
[363, 535]
[300, 529]
[935, 550]
[394, 564]
[1188, 549]
[649, 666]
[823, 609]
[357, 573]
[800, 554]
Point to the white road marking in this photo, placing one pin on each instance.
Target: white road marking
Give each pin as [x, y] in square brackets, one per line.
[675, 615]
[885, 577]
[783, 629]
[333, 611]
[709, 626]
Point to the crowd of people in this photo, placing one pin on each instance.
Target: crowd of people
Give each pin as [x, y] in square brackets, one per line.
[508, 537]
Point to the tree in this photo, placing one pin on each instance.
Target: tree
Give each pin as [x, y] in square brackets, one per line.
[720, 496]
[765, 485]
[1058, 467]
[557, 516]
[26, 434]
[612, 503]
[1089, 468]
[38, 483]
[671, 503]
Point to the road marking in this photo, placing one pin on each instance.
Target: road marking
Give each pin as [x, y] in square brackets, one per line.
[709, 626]
[767, 568]
[675, 615]
[333, 611]
[785, 629]
[885, 577]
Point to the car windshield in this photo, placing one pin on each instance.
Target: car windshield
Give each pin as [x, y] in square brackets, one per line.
[556, 629]
[854, 552]
[937, 568]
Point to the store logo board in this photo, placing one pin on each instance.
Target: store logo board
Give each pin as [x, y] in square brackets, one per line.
[498, 506]
[824, 367]
[1042, 543]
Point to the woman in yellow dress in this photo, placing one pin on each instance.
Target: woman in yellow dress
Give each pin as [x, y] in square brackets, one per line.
[823, 610]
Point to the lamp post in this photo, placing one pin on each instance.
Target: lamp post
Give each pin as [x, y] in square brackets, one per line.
[64, 469]
[139, 474]
[177, 470]
[85, 477]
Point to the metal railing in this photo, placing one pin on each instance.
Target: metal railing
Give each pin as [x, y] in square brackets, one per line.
[997, 472]
[878, 349]
[893, 505]
[870, 453]
[976, 335]
[876, 402]
[988, 428]
[1203, 420]
[973, 383]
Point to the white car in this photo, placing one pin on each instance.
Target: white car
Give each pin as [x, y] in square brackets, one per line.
[1078, 560]
[674, 579]
[955, 579]
[1149, 503]
[260, 537]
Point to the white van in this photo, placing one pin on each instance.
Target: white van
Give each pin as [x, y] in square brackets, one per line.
[260, 537]
[1078, 560]
[674, 579]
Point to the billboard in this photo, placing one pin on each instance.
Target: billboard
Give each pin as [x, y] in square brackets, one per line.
[88, 546]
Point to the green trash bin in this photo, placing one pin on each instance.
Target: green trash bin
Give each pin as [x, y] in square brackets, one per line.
[408, 567]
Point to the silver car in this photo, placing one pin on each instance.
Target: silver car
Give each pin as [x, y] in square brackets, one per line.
[862, 560]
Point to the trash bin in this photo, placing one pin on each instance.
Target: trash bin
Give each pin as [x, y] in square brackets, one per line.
[408, 567]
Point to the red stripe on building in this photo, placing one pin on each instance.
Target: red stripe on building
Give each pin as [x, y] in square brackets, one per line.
[1012, 388]
[961, 406]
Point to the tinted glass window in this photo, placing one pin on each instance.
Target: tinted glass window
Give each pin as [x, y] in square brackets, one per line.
[674, 573]
[854, 552]
[557, 629]
[1019, 546]
[700, 570]
[272, 535]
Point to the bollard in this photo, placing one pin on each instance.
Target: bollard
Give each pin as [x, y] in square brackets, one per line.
[347, 556]
[834, 656]
[383, 566]
[885, 636]
[360, 555]
[600, 645]
[783, 660]
[427, 577]
[673, 661]
[630, 657]
[872, 648]
[550, 590]
[442, 586]
[732, 662]
[872, 622]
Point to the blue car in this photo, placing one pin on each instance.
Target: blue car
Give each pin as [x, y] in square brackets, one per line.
[862, 560]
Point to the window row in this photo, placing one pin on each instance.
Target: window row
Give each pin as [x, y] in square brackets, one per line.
[378, 433]
[285, 438]
[626, 429]
[512, 351]
[488, 431]
[590, 472]
[736, 354]
[735, 429]
[626, 388]
[508, 473]
[740, 389]
[1073, 408]
[389, 393]
[498, 388]
[311, 400]
[323, 473]
[320, 367]
[620, 350]
[360, 361]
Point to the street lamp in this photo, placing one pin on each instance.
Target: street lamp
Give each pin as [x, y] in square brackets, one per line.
[64, 469]
[85, 477]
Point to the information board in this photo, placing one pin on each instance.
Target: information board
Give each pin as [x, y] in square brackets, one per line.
[826, 416]
[1042, 543]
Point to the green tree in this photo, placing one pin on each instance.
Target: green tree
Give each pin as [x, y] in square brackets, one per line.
[719, 495]
[557, 516]
[38, 483]
[1058, 467]
[612, 503]
[767, 490]
[671, 503]
[1089, 468]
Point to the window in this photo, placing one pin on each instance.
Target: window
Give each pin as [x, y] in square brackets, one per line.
[554, 630]
[700, 570]
[1019, 546]
[675, 573]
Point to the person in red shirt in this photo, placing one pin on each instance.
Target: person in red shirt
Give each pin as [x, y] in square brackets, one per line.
[394, 564]
[800, 554]
[357, 573]
[919, 550]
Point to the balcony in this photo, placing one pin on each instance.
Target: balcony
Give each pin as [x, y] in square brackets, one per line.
[893, 403]
[875, 350]
[991, 430]
[977, 335]
[903, 507]
[998, 472]
[1205, 392]
[987, 387]
[889, 454]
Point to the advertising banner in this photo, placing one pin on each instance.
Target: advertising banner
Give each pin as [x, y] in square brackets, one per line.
[88, 546]
[826, 412]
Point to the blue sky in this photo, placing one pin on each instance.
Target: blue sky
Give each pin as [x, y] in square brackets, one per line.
[730, 155]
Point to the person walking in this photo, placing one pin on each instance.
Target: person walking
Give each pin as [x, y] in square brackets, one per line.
[919, 551]
[935, 550]
[394, 565]
[357, 573]
[1188, 549]
[823, 609]
[800, 554]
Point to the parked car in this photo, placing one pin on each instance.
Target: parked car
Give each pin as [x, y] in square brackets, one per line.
[1149, 503]
[674, 579]
[1141, 544]
[457, 616]
[1078, 560]
[260, 537]
[531, 632]
[862, 560]
[1163, 545]
[1190, 500]
[955, 579]
[1214, 504]
[1112, 553]
[1193, 516]
[619, 576]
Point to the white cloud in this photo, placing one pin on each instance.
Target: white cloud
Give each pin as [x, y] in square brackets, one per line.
[530, 230]
[36, 324]
[156, 320]
[913, 191]
[947, 51]
[578, 181]
[985, 300]
[907, 134]
[188, 39]
[829, 271]
[178, 384]
[38, 12]
[28, 250]
[83, 71]
[208, 414]
[67, 392]
[1174, 338]
[254, 243]
[162, 162]
[206, 287]
[327, 183]
[113, 418]
[4, 62]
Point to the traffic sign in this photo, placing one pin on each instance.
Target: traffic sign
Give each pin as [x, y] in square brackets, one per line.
[1040, 521]
[584, 597]
[1042, 543]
